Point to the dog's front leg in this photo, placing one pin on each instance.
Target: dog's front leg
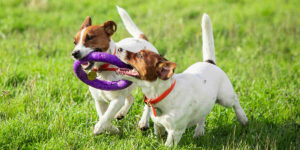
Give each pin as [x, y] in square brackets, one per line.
[144, 122]
[124, 110]
[101, 107]
[105, 121]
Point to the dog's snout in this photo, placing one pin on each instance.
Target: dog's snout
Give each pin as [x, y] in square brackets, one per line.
[76, 54]
[120, 50]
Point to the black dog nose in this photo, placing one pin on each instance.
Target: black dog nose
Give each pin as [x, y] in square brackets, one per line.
[76, 54]
[120, 49]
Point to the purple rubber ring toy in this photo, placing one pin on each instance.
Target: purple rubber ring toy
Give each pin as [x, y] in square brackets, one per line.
[100, 84]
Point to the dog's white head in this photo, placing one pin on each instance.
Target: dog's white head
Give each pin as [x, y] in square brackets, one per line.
[147, 66]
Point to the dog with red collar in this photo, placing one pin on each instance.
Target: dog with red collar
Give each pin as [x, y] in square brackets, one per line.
[180, 101]
[97, 38]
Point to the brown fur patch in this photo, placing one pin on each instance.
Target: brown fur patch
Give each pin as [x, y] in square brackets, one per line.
[165, 69]
[87, 22]
[95, 36]
[143, 36]
[210, 61]
[110, 27]
[77, 37]
[150, 65]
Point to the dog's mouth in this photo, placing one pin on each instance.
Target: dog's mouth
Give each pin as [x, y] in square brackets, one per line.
[128, 72]
[87, 65]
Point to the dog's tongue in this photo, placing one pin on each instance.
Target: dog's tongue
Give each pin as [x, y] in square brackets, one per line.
[85, 65]
[126, 71]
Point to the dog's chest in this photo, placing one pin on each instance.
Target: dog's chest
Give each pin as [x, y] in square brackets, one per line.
[107, 96]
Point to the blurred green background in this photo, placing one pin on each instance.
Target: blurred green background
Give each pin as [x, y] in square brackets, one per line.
[44, 106]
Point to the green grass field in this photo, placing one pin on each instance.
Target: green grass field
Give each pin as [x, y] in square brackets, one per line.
[44, 106]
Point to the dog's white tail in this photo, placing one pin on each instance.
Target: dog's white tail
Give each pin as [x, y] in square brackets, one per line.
[208, 40]
[129, 24]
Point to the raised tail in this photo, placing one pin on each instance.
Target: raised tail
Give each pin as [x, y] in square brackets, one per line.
[130, 25]
[208, 40]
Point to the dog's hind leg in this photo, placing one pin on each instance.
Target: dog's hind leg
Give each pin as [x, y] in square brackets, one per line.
[124, 110]
[199, 131]
[173, 137]
[159, 130]
[228, 98]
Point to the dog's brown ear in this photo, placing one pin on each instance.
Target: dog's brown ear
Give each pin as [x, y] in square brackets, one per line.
[110, 27]
[87, 22]
[165, 69]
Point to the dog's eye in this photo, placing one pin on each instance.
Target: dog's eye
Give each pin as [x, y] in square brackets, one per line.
[88, 37]
[75, 43]
[139, 55]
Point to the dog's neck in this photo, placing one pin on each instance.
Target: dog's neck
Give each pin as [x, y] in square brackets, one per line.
[157, 87]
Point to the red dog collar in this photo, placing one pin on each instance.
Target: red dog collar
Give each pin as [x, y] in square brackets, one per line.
[159, 98]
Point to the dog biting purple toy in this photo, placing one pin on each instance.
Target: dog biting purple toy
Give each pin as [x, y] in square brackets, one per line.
[100, 84]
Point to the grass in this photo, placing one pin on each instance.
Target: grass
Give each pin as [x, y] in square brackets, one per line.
[44, 106]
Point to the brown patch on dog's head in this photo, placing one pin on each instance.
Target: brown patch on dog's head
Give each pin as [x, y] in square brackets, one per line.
[150, 65]
[95, 36]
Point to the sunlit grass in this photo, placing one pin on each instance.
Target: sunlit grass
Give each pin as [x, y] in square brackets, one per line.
[43, 105]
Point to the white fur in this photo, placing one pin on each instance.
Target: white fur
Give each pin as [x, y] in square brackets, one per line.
[208, 39]
[117, 99]
[110, 104]
[84, 51]
[129, 24]
[196, 91]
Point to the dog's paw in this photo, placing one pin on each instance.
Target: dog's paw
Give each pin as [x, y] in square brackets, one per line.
[243, 120]
[199, 132]
[113, 130]
[144, 128]
[100, 129]
[143, 125]
[122, 112]
[119, 116]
